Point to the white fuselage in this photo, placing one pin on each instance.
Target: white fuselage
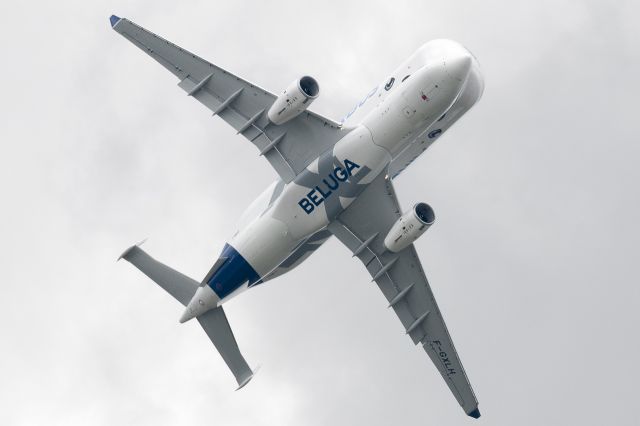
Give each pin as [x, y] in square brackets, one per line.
[396, 122]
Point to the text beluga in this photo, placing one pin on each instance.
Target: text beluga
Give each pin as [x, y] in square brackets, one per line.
[328, 186]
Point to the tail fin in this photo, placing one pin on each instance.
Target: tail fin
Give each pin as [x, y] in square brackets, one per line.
[214, 322]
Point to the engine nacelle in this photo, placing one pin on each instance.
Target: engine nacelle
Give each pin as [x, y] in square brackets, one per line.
[295, 99]
[409, 227]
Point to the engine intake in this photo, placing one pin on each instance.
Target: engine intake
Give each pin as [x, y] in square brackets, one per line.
[411, 225]
[294, 100]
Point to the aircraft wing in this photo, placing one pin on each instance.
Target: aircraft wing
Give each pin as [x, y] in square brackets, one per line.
[289, 147]
[362, 228]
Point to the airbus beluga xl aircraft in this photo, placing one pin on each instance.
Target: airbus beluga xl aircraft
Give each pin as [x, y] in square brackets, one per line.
[333, 179]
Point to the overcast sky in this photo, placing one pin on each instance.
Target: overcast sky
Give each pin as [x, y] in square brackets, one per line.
[533, 258]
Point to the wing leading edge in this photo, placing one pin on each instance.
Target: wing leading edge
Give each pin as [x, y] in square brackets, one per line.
[401, 279]
[288, 147]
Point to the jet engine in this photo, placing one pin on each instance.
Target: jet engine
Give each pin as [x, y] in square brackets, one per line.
[409, 227]
[295, 99]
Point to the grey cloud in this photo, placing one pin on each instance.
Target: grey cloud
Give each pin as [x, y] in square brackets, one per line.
[532, 259]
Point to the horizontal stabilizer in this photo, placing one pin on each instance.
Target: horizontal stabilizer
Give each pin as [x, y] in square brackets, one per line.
[214, 322]
[181, 287]
[217, 327]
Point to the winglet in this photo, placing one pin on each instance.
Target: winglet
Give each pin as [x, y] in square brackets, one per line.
[248, 379]
[475, 414]
[127, 251]
[114, 20]
[244, 382]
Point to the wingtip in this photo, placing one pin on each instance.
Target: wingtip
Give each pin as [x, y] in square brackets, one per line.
[127, 251]
[114, 20]
[475, 414]
[247, 379]
[244, 382]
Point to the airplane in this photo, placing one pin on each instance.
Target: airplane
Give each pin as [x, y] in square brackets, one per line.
[334, 179]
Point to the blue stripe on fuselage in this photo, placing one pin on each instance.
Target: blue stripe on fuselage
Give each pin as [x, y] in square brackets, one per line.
[232, 274]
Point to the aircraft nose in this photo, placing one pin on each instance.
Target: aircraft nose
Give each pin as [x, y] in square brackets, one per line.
[458, 66]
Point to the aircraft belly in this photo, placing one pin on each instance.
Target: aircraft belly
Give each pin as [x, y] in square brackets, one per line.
[308, 204]
[330, 184]
[300, 254]
[265, 243]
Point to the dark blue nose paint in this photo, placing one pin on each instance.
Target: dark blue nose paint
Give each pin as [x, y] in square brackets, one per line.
[232, 274]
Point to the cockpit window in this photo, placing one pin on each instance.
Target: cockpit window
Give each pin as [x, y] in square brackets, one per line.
[389, 84]
[406, 77]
